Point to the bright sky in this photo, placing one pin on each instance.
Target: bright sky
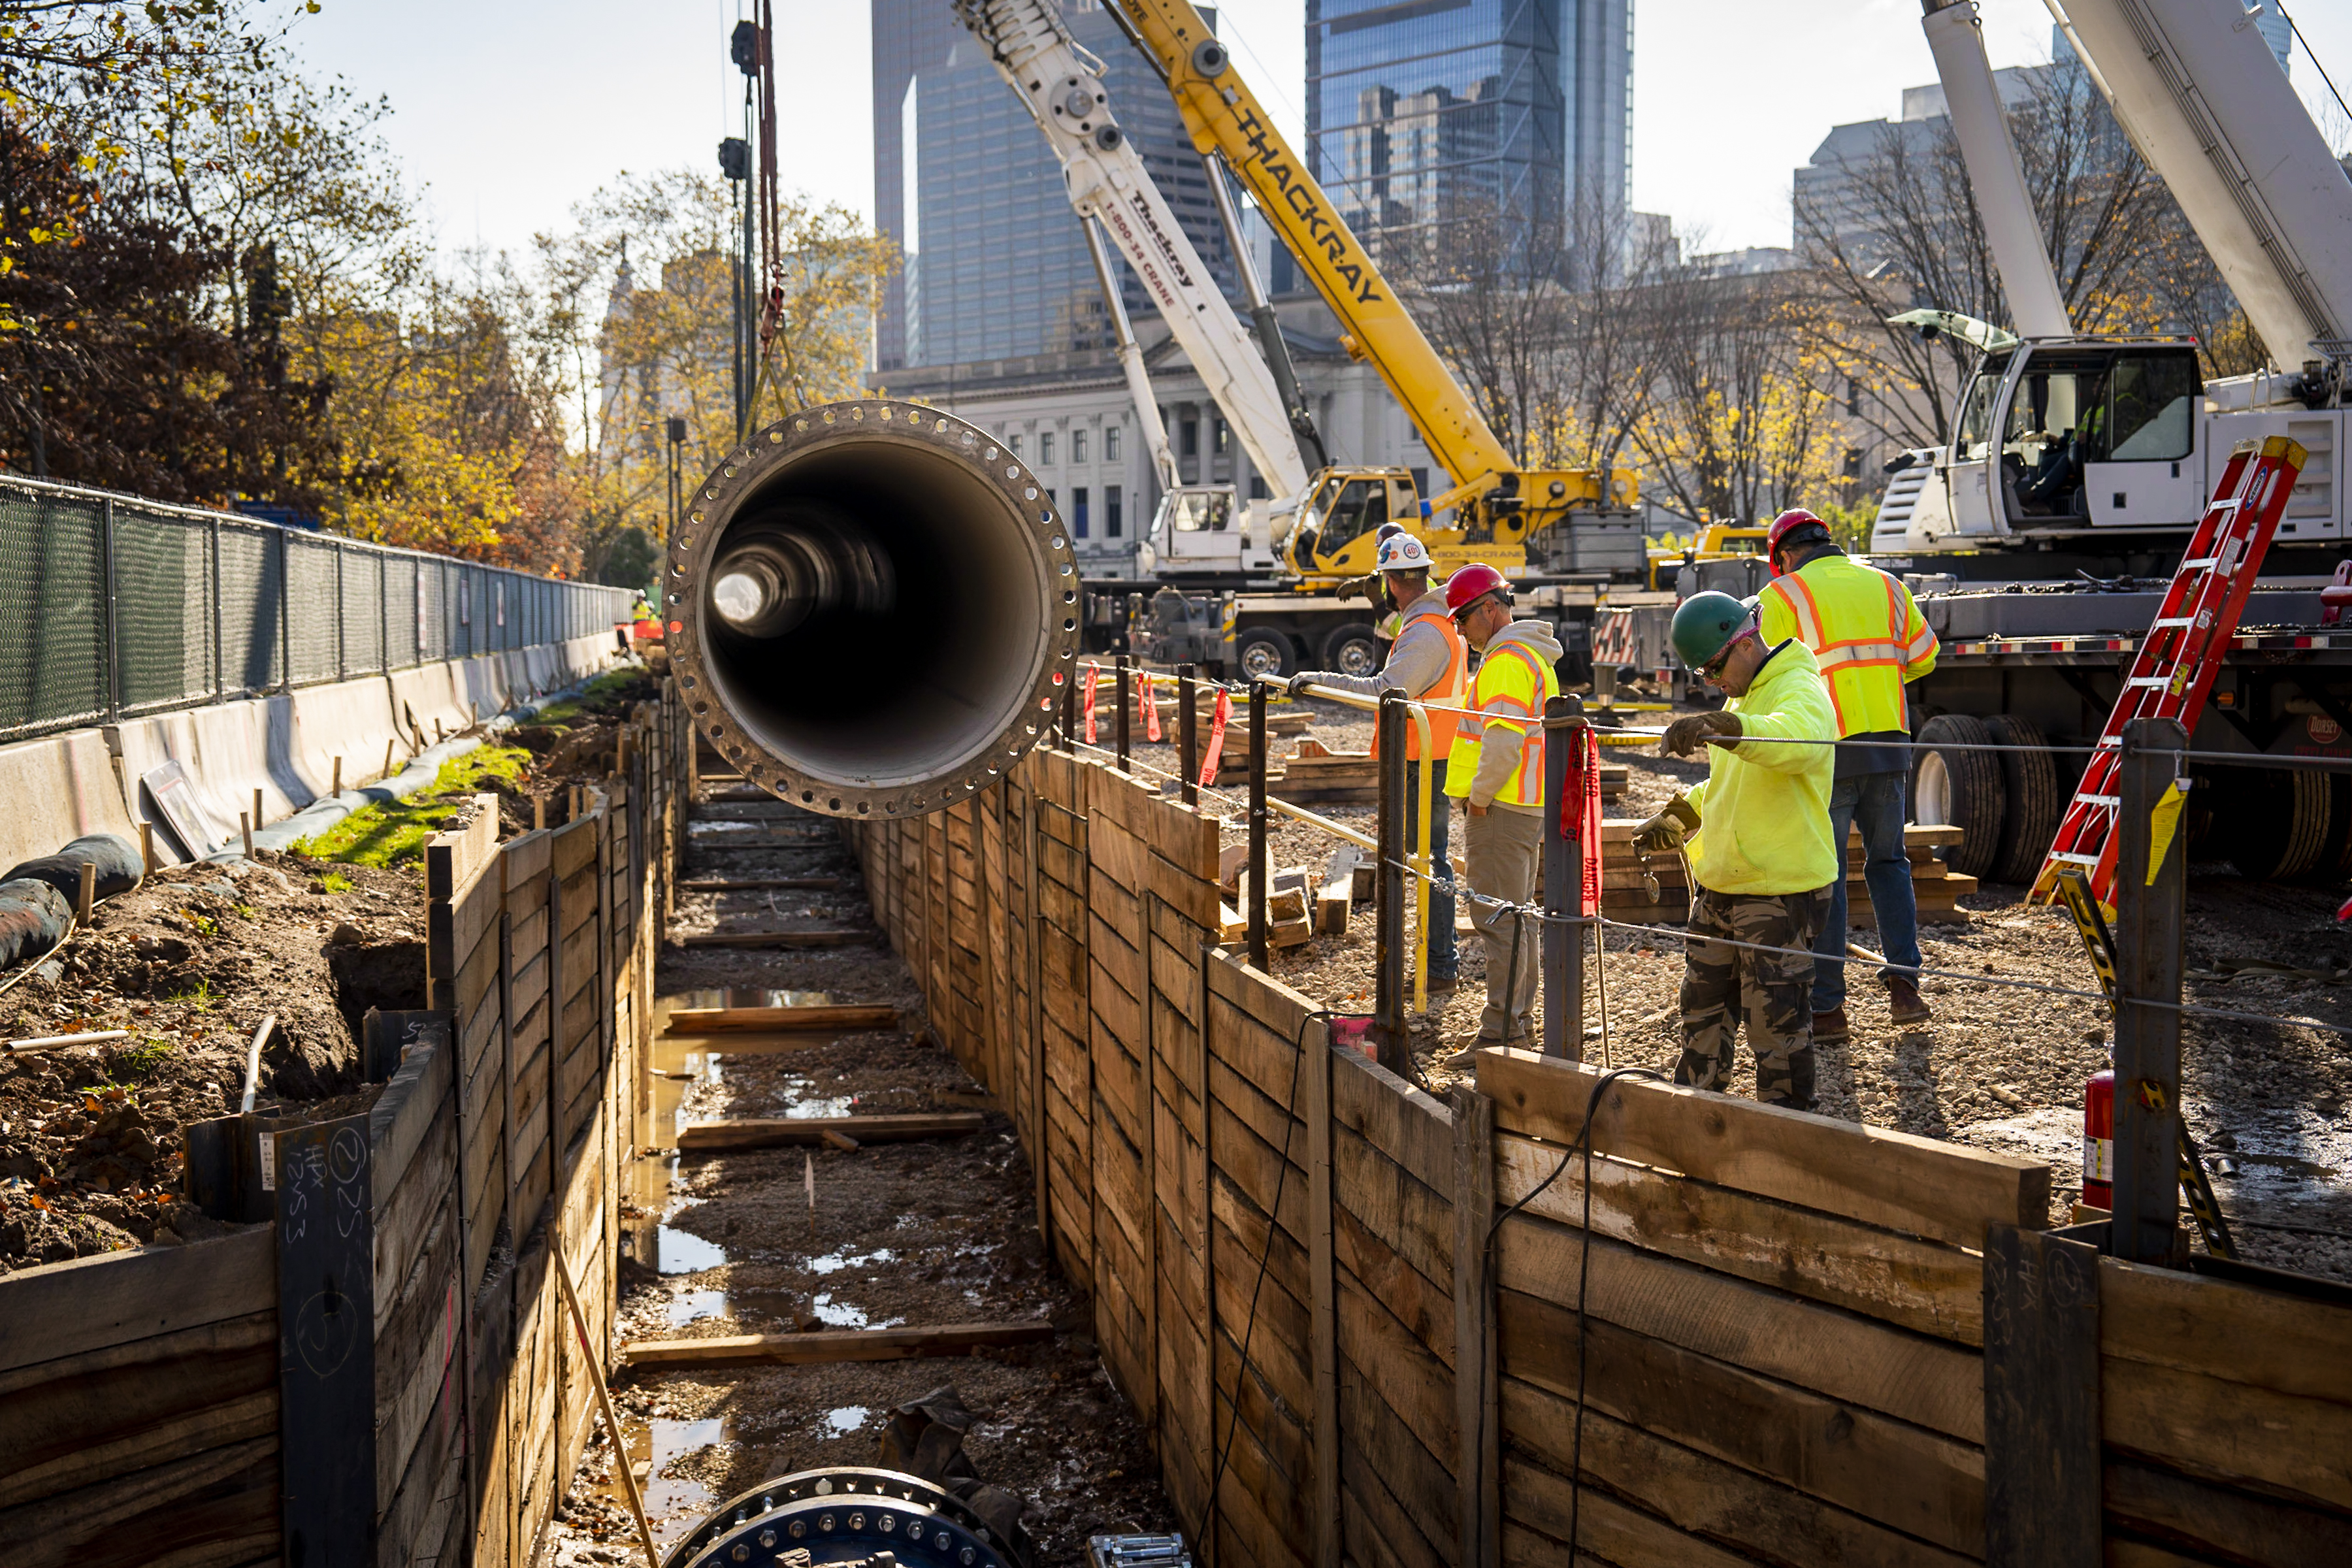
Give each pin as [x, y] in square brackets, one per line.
[543, 101]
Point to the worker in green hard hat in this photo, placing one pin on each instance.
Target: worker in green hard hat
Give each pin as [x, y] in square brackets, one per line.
[1756, 834]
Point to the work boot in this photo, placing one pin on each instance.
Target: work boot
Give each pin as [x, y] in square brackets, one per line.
[1904, 1003]
[1830, 1026]
[1447, 982]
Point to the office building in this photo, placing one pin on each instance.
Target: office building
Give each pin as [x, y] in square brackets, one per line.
[1432, 111]
[994, 263]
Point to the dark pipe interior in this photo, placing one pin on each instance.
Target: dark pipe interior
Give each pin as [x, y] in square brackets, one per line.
[875, 615]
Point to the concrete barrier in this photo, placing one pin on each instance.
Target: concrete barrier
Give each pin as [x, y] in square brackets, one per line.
[60, 787]
[56, 789]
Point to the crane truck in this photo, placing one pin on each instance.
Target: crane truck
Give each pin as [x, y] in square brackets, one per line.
[2039, 535]
[1248, 592]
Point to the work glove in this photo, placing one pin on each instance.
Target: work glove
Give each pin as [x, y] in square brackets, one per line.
[1685, 735]
[1297, 684]
[1664, 834]
[1366, 587]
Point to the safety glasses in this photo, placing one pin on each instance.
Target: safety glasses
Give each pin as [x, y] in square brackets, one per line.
[1712, 669]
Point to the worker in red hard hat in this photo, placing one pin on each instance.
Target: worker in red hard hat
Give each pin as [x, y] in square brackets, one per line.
[1497, 770]
[1427, 661]
[1871, 639]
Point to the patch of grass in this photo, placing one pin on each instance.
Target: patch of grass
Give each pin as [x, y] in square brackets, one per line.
[334, 882]
[199, 995]
[389, 835]
[143, 1057]
[246, 912]
[204, 924]
[610, 684]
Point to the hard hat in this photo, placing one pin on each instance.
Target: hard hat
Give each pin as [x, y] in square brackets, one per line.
[1387, 531]
[1471, 583]
[1789, 527]
[1705, 623]
[1401, 551]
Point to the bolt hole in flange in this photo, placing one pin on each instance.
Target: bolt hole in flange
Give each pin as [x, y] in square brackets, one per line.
[870, 606]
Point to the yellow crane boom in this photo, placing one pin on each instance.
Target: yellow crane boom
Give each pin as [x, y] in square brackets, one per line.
[1224, 118]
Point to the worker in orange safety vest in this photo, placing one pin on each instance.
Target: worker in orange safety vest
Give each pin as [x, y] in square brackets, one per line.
[1870, 638]
[1428, 662]
[1497, 770]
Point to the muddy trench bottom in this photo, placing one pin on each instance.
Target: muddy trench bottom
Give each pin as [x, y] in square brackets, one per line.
[911, 1234]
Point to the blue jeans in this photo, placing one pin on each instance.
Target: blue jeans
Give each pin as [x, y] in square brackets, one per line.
[1876, 802]
[1443, 957]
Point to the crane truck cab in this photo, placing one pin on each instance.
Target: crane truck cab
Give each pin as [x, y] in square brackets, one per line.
[1208, 530]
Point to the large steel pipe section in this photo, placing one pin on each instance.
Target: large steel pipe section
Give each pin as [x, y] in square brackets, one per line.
[872, 609]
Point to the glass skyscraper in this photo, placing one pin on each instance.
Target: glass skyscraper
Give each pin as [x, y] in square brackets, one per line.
[995, 265]
[1423, 113]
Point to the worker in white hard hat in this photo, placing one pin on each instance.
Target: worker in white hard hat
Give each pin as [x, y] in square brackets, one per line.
[1428, 662]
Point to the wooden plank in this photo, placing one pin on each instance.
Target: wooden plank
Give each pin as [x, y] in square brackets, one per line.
[1920, 1483]
[1404, 1475]
[452, 859]
[87, 1304]
[216, 1506]
[478, 962]
[2219, 1523]
[1543, 1512]
[776, 938]
[755, 1132]
[2229, 1431]
[1187, 836]
[2041, 1399]
[715, 1020]
[1922, 1285]
[842, 1345]
[1409, 1219]
[1694, 1493]
[1928, 1382]
[2240, 1333]
[756, 884]
[81, 1420]
[404, 1113]
[571, 846]
[1476, 1403]
[526, 859]
[1918, 1185]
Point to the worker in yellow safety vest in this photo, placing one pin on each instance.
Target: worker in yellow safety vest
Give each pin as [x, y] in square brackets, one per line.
[1870, 638]
[1497, 770]
[1428, 662]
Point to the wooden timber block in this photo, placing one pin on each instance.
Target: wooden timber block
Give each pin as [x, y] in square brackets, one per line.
[778, 938]
[768, 1132]
[1332, 903]
[712, 1020]
[836, 1345]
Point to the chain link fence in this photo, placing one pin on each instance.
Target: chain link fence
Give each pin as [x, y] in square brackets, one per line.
[116, 607]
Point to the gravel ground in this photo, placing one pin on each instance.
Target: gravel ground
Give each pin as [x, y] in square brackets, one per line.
[917, 1233]
[1999, 1067]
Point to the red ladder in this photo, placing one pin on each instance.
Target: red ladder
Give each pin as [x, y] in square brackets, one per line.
[2179, 658]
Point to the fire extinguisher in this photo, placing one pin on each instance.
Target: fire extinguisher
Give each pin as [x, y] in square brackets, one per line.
[2099, 1141]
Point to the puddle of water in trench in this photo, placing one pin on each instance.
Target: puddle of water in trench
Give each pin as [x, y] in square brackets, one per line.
[845, 1422]
[673, 1504]
[666, 1249]
[834, 1262]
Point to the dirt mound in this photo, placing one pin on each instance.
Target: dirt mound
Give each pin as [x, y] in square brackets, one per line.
[188, 965]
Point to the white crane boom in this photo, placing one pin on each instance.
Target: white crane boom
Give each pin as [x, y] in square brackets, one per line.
[1130, 361]
[2203, 98]
[1956, 36]
[1061, 84]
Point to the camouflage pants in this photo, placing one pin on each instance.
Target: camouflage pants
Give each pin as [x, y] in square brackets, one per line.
[1773, 990]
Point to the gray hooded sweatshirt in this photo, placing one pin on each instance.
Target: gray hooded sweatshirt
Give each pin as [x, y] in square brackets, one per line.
[1495, 763]
[1416, 660]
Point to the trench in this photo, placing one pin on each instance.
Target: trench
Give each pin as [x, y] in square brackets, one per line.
[920, 1233]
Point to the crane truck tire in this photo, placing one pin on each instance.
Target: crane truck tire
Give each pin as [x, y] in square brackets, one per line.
[1262, 654]
[1956, 787]
[2029, 781]
[872, 609]
[2279, 820]
[1352, 651]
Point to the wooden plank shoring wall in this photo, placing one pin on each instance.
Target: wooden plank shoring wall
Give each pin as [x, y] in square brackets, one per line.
[1782, 1316]
[138, 1391]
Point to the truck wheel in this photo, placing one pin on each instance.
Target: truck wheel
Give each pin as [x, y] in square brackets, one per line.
[2282, 823]
[2029, 778]
[1263, 654]
[1351, 650]
[1955, 786]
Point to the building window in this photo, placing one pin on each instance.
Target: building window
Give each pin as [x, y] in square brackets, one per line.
[1045, 449]
[1013, 443]
[1852, 398]
[1218, 426]
[1853, 463]
[1078, 511]
[1419, 481]
[1110, 504]
[1187, 433]
[1110, 442]
[1078, 445]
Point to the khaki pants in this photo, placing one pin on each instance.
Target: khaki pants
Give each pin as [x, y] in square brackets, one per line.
[1502, 850]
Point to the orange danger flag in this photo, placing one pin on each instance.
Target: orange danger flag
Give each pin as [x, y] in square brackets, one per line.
[1215, 754]
[1150, 709]
[1093, 670]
